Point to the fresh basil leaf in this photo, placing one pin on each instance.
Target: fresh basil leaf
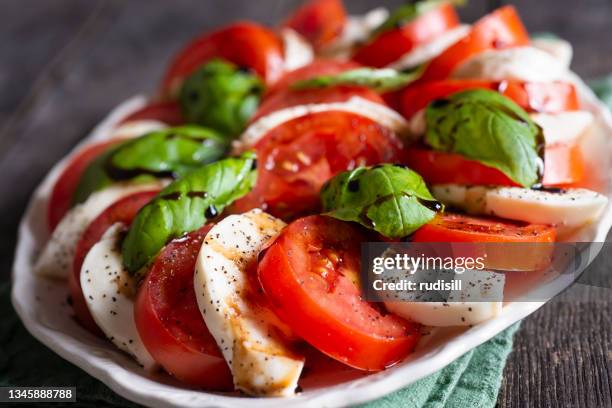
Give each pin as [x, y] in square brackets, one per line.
[186, 205]
[221, 96]
[410, 11]
[603, 89]
[484, 126]
[380, 80]
[388, 198]
[168, 153]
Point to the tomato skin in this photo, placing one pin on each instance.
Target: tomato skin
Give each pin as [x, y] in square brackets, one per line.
[122, 211]
[60, 200]
[449, 227]
[319, 21]
[500, 29]
[169, 321]
[316, 68]
[168, 112]
[327, 310]
[393, 44]
[297, 157]
[532, 96]
[564, 165]
[243, 43]
[442, 168]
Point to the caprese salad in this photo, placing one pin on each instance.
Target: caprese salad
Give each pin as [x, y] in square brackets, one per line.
[216, 233]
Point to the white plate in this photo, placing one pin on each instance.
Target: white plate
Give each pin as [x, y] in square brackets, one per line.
[41, 304]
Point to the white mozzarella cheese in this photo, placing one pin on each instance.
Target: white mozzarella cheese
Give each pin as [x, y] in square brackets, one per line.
[56, 258]
[136, 128]
[518, 63]
[296, 49]
[380, 113]
[109, 291]
[564, 127]
[558, 48]
[252, 339]
[431, 49]
[570, 207]
[442, 314]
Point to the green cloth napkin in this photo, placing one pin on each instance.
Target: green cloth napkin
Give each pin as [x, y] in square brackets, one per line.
[471, 381]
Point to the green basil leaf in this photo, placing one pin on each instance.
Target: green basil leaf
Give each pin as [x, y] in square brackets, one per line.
[221, 96]
[485, 126]
[388, 198]
[410, 11]
[168, 153]
[380, 80]
[603, 89]
[186, 205]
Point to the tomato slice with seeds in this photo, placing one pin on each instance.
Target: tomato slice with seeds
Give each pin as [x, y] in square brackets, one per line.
[391, 45]
[500, 29]
[122, 211]
[170, 323]
[297, 157]
[63, 191]
[168, 112]
[310, 274]
[319, 21]
[244, 44]
[546, 97]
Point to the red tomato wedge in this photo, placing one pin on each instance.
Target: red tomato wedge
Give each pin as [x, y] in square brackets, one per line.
[546, 97]
[170, 323]
[297, 157]
[500, 29]
[564, 165]
[287, 98]
[122, 211]
[449, 227]
[168, 112]
[245, 44]
[316, 68]
[391, 45]
[441, 168]
[319, 21]
[60, 200]
[310, 274]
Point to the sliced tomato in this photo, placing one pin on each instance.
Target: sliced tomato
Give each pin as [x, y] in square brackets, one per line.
[310, 274]
[297, 157]
[168, 112]
[564, 165]
[449, 227]
[122, 211]
[547, 97]
[500, 29]
[319, 21]
[63, 191]
[288, 97]
[170, 323]
[391, 45]
[245, 44]
[316, 68]
[441, 168]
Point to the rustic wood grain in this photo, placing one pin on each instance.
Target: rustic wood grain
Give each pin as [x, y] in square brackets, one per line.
[65, 63]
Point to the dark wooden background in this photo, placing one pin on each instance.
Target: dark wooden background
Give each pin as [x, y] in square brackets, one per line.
[65, 63]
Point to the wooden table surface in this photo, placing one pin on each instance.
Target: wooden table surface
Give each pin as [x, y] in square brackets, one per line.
[65, 63]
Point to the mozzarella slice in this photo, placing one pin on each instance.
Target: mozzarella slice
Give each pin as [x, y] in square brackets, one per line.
[136, 128]
[519, 63]
[249, 335]
[380, 113]
[444, 314]
[558, 48]
[56, 258]
[109, 291]
[431, 49]
[297, 50]
[356, 30]
[569, 207]
[564, 127]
